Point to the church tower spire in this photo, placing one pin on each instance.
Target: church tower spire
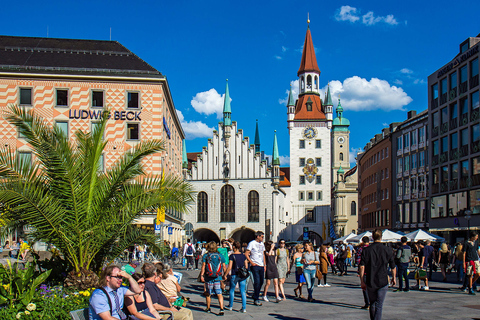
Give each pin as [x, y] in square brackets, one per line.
[227, 117]
[328, 107]
[257, 139]
[275, 162]
[290, 110]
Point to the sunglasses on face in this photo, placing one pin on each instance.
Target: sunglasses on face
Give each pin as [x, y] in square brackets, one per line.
[118, 277]
[141, 282]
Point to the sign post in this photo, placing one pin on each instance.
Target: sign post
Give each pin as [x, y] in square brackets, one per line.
[305, 233]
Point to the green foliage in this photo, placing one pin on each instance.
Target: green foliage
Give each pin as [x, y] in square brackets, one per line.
[70, 202]
[50, 304]
[18, 285]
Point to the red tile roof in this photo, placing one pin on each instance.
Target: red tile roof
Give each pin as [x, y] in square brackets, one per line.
[284, 177]
[309, 60]
[301, 112]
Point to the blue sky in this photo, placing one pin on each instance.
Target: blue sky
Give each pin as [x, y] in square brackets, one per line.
[377, 54]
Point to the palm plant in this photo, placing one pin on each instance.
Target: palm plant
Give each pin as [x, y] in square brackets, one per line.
[69, 201]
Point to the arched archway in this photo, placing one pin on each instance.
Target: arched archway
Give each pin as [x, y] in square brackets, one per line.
[314, 237]
[204, 234]
[243, 235]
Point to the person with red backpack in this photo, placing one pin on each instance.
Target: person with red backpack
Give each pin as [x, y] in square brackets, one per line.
[213, 269]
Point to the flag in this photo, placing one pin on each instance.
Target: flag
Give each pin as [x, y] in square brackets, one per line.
[324, 231]
[333, 236]
[161, 210]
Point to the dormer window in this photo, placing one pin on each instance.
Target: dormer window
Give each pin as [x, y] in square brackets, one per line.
[309, 104]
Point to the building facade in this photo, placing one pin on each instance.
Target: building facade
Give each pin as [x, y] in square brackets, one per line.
[69, 82]
[237, 191]
[410, 171]
[375, 183]
[454, 114]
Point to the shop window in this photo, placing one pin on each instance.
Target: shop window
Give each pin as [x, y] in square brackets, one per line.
[133, 131]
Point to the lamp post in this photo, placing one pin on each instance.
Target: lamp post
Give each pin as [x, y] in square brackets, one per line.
[468, 216]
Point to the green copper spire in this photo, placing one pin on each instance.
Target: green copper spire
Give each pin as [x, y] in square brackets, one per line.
[184, 155]
[275, 157]
[257, 139]
[227, 110]
[340, 170]
[328, 98]
[340, 123]
[339, 109]
[291, 102]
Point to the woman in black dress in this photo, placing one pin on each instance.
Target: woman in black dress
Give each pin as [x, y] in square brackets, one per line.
[272, 271]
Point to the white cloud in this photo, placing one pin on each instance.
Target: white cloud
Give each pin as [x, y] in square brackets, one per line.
[398, 82]
[194, 129]
[419, 81]
[369, 19]
[358, 94]
[294, 85]
[406, 71]
[352, 14]
[347, 13]
[278, 58]
[284, 49]
[209, 102]
[385, 125]
[284, 161]
[353, 154]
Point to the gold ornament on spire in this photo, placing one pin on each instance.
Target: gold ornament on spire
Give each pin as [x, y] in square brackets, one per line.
[308, 17]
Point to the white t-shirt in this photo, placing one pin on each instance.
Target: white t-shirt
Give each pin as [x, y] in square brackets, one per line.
[256, 252]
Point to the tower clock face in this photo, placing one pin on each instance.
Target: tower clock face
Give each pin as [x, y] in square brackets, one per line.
[341, 139]
[310, 133]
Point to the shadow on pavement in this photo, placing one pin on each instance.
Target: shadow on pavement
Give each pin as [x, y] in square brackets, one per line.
[282, 317]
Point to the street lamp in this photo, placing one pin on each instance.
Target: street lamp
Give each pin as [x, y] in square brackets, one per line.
[468, 216]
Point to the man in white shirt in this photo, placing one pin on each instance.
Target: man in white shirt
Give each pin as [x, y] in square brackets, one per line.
[188, 252]
[256, 258]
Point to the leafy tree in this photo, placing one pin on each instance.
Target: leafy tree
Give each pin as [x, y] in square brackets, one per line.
[88, 213]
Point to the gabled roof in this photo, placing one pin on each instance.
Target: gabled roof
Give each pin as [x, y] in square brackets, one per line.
[284, 177]
[301, 112]
[70, 56]
[309, 60]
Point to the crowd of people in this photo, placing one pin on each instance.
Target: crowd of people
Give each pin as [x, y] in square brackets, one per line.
[229, 264]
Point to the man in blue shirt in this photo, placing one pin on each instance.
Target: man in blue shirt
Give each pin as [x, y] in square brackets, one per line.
[110, 307]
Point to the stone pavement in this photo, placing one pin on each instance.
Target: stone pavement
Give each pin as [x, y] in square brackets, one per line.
[343, 301]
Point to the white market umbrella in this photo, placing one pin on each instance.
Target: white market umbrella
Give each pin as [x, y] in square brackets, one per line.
[360, 236]
[439, 239]
[390, 236]
[345, 238]
[420, 235]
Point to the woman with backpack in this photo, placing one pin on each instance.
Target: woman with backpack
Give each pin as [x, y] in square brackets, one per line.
[213, 269]
[238, 265]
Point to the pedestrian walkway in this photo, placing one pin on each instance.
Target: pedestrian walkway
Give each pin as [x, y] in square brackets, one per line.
[343, 300]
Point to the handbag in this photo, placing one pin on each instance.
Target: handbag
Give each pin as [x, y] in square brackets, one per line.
[420, 274]
[242, 272]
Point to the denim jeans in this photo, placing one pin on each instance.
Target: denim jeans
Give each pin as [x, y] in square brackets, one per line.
[258, 276]
[459, 268]
[376, 297]
[403, 273]
[310, 279]
[243, 293]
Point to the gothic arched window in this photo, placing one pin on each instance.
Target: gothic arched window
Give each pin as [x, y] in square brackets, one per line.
[302, 84]
[309, 82]
[341, 156]
[202, 207]
[253, 206]
[353, 208]
[227, 204]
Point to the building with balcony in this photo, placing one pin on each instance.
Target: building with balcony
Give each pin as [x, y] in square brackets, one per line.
[410, 203]
[454, 114]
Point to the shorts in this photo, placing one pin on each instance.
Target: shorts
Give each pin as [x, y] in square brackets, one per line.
[470, 271]
[213, 287]
[300, 278]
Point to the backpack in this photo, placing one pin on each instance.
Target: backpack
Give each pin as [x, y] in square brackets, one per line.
[211, 270]
[189, 249]
[405, 256]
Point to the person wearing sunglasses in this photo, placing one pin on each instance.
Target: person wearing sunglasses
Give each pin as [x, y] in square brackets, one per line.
[106, 302]
[140, 306]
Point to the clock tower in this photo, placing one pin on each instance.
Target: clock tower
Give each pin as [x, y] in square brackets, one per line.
[309, 124]
[340, 141]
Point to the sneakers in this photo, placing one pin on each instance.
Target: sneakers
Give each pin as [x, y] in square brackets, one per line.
[320, 285]
[207, 310]
[221, 313]
[364, 307]
[229, 308]
[471, 292]
[243, 311]
[326, 285]
[278, 299]
[265, 299]
[424, 288]
[257, 303]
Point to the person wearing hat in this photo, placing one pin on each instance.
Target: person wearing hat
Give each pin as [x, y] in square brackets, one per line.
[130, 267]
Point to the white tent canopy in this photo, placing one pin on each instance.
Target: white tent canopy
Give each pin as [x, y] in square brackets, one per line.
[345, 238]
[360, 236]
[390, 236]
[423, 235]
